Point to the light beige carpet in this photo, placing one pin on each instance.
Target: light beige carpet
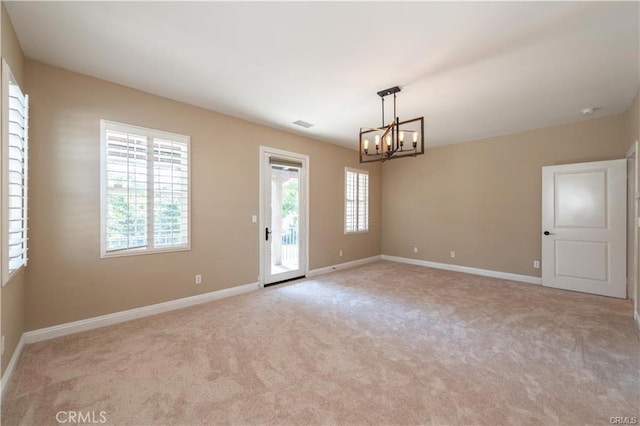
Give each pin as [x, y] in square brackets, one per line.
[384, 343]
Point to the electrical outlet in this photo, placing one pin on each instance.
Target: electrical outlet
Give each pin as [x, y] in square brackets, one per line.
[453, 254]
[198, 279]
[415, 249]
[254, 219]
[2, 344]
[340, 253]
[536, 264]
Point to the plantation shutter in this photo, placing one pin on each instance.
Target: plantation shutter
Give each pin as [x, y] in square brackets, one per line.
[17, 174]
[127, 190]
[145, 190]
[363, 202]
[350, 191]
[171, 193]
[356, 200]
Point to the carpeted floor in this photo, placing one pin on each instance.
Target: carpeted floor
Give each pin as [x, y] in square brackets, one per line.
[383, 343]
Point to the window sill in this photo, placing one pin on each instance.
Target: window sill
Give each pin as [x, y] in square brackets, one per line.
[134, 252]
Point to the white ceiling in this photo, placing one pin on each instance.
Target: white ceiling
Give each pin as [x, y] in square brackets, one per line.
[472, 69]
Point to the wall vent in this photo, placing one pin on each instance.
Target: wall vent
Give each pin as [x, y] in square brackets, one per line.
[303, 124]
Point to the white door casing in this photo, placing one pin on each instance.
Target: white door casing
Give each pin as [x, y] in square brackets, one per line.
[584, 227]
[633, 223]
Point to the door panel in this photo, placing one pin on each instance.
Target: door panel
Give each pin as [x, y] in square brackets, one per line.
[581, 199]
[584, 223]
[570, 262]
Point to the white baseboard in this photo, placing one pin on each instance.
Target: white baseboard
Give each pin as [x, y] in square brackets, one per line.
[144, 311]
[466, 269]
[345, 265]
[8, 372]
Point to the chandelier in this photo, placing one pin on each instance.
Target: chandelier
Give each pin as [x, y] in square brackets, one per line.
[395, 140]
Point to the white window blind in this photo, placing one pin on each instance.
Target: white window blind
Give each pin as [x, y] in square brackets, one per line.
[363, 202]
[145, 191]
[15, 143]
[356, 204]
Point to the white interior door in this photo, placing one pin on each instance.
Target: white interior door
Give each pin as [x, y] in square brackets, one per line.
[284, 216]
[583, 224]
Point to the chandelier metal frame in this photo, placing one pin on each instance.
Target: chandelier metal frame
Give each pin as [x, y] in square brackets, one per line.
[391, 144]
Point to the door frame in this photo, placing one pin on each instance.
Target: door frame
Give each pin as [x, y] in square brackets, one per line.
[633, 224]
[304, 203]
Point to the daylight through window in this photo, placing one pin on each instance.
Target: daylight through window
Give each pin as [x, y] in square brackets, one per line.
[15, 153]
[356, 204]
[145, 198]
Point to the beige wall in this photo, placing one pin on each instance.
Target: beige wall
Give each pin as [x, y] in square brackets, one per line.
[13, 294]
[483, 198]
[633, 120]
[67, 279]
[11, 50]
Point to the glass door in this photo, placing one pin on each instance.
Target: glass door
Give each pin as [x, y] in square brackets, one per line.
[284, 220]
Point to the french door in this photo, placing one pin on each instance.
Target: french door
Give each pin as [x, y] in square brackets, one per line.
[283, 224]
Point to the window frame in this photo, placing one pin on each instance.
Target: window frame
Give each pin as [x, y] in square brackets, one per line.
[8, 79]
[358, 173]
[150, 134]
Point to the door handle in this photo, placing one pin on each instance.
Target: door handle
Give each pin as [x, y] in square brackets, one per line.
[266, 234]
[548, 233]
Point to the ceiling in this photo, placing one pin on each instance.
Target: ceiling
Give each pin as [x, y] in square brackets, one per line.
[472, 69]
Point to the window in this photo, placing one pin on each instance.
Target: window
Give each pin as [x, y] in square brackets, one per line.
[15, 124]
[356, 200]
[145, 199]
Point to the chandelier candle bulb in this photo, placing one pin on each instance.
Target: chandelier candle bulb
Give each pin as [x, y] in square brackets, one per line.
[401, 138]
[366, 146]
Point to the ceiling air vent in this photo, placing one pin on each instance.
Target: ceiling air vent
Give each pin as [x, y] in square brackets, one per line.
[303, 124]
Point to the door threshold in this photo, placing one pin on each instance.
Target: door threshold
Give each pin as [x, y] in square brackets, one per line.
[285, 281]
